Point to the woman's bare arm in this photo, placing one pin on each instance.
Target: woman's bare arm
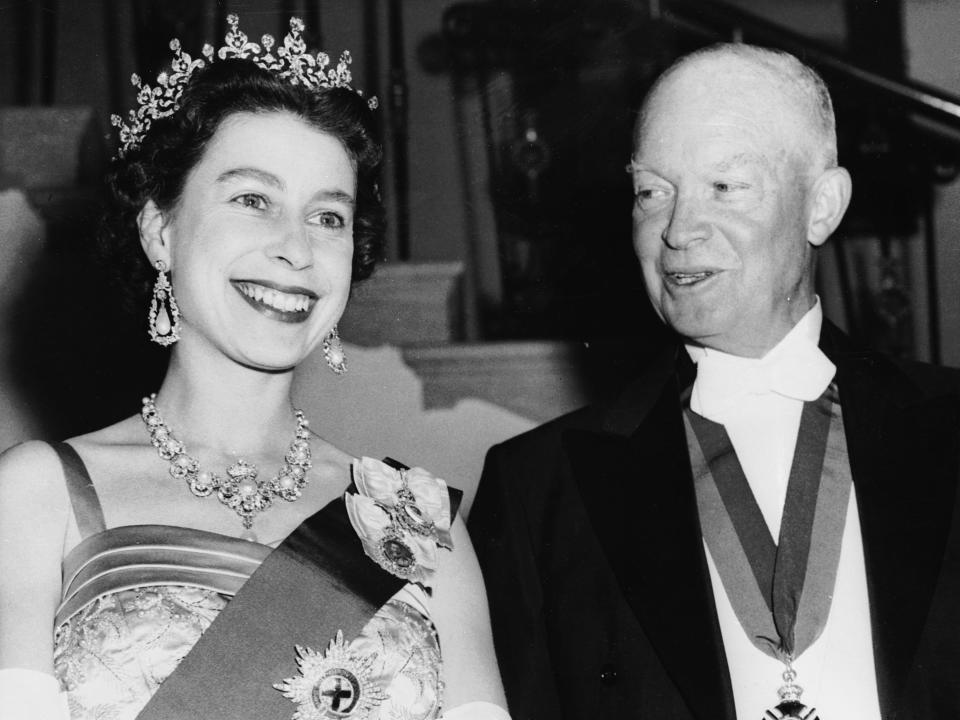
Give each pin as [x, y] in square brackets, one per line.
[34, 511]
[459, 609]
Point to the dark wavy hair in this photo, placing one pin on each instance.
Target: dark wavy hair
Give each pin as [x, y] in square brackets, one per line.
[157, 170]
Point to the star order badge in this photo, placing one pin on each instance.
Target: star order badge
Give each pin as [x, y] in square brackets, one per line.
[337, 683]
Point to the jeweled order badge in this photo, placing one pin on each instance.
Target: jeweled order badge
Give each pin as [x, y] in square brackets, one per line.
[790, 707]
[337, 683]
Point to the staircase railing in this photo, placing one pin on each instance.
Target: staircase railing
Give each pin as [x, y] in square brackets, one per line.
[721, 20]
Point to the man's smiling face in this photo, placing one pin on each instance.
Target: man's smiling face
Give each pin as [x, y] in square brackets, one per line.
[720, 206]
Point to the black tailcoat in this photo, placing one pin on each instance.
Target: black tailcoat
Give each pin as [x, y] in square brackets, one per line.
[588, 535]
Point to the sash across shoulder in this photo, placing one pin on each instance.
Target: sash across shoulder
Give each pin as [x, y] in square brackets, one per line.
[316, 584]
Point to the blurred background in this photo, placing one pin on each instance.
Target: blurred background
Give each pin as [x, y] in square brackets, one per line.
[509, 275]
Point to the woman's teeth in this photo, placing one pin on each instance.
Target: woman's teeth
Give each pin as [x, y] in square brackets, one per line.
[688, 278]
[284, 302]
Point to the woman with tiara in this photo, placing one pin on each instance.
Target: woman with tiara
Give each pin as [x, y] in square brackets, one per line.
[212, 557]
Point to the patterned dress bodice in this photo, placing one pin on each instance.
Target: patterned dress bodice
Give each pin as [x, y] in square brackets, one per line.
[136, 599]
[114, 653]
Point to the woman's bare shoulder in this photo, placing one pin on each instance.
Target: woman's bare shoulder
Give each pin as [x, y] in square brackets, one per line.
[32, 476]
[31, 467]
[35, 509]
[34, 502]
[123, 434]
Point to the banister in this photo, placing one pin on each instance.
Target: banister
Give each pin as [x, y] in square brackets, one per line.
[721, 19]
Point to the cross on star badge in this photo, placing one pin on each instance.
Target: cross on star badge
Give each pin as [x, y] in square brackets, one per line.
[334, 684]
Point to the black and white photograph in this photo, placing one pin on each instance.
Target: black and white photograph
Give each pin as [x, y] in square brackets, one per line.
[479, 359]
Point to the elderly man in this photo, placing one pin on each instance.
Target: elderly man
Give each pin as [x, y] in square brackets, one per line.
[763, 525]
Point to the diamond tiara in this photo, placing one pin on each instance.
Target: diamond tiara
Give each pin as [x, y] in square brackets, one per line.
[291, 62]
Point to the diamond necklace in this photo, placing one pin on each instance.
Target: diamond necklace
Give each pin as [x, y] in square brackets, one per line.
[239, 490]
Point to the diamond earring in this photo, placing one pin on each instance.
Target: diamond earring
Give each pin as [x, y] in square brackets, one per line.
[333, 352]
[162, 306]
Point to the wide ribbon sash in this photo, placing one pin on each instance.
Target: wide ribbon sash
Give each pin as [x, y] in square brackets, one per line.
[317, 582]
[781, 592]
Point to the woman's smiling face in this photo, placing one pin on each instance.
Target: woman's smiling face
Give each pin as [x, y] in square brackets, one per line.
[261, 241]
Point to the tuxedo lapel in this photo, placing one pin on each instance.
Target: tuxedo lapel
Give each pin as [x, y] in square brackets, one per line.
[903, 450]
[635, 481]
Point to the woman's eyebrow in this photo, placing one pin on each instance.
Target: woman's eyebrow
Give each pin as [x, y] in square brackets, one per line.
[268, 178]
[335, 195]
[254, 173]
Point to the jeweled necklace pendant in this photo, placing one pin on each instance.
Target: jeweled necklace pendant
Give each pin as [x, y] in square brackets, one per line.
[240, 490]
[790, 707]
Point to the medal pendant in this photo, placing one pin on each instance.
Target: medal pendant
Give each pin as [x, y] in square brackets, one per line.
[791, 710]
[790, 707]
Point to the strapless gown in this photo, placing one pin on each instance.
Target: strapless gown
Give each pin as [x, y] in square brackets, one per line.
[136, 599]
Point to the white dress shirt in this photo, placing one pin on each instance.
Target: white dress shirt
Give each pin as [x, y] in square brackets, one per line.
[837, 672]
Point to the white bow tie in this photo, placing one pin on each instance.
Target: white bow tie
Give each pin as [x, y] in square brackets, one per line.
[802, 372]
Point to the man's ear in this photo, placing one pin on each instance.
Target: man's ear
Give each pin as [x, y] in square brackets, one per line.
[829, 198]
[154, 233]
